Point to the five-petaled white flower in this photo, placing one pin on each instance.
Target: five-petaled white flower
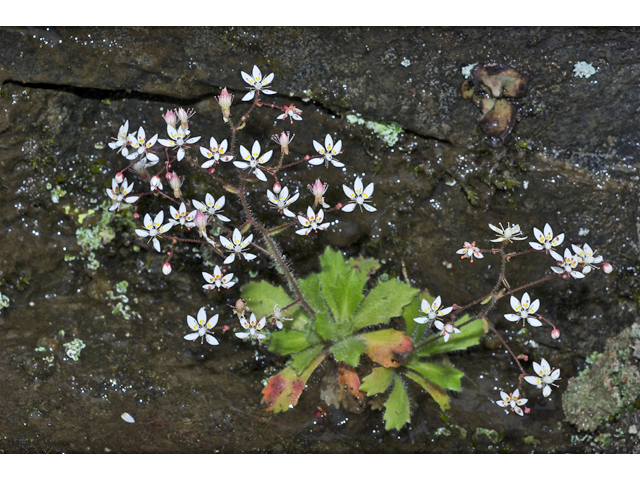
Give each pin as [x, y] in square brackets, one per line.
[201, 328]
[291, 111]
[277, 317]
[447, 329]
[211, 207]
[217, 280]
[432, 311]
[512, 232]
[566, 264]
[312, 222]
[545, 377]
[585, 256]
[546, 239]
[237, 246]
[179, 138]
[257, 83]
[281, 201]
[215, 153]
[141, 148]
[358, 196]
[327, 152]
[253, 328]
[254, 160]
[180, 217]
[118, 193]
[122, 140]
[154, 228]
[523, 310]
[469, 251]
[513, 401]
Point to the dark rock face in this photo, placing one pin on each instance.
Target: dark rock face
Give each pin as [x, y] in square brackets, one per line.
[571, 160]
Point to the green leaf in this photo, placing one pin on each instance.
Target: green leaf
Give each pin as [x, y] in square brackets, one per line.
[377, 381]
[442, 375]
[365, 267]
[303, 359]
[288, 341]
[396, 412]
[384, 301]
[325, 326]
[414, 329]
[310, 288]
[470, 335]
[348, 350]
[437, 393]
[261, 297]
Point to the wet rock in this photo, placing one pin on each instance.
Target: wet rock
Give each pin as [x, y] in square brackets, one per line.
[499, 120]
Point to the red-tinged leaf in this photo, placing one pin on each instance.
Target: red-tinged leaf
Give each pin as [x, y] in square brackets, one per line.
[388, 347]
[284, 389]
[349, 381]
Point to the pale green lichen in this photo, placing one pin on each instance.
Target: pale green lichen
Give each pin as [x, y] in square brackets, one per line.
[583, 70]
[56, 193]
[467, 69]
[4, 301]
[73, 348]
[389, 133]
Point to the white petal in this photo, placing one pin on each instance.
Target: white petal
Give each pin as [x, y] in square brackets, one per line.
[229, 259]
[248, 256]
[255, 149]
[546, 391]
[512, 317]
[536, 246]
[368, 191]
[246, 98]
[156, 244]
[316, 161]
[421, 319]
[357, 186]
[237, 236]
[534, 322]
[348, 192]
[534, 306]
[213, 321]
[261, 176]
[349, 207]
[319, 148]
[515, 304]
[211, 340]
[369, 208]
[191, 336]
[225, 242]
[532, 380]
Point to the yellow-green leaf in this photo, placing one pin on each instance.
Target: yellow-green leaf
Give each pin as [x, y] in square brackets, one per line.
[303, 359]
[383, 302]
[469, 335]
[348, 350]
[437, 393]
[442, 375]
[377, 381]
[397, 412]
[287, 341]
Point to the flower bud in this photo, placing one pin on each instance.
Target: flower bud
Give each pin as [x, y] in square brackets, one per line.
[555, 333]
[284, 139]
[156, 183]
[224, 100]
[201, 223]
[176, 183]
[166, 268]
[119, 177]
[171, 118]
[277, 188]
[318, 190]
[607, 268]
[240, 308]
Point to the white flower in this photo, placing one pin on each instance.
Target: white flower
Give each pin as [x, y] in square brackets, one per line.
[291, 111]
[237, 246]
[358, 196]
[181, 217]
[514, 401]
[512, 232]
[545, 377]
[523, 310]
[432, 311]
[155, 182]
[312, 222]
[546, 239]
[154, 228]
[281, 201]
[202, 327]
[566, 264]
[217, 280]
[328, 151]
[122, 140]
[141, 148]
[277, 317]
[585, 255]
[257, 83]
[211, 207]
[215, 153]
[447, 329]
[118, 193]
[469, 251]
[254, 160]
[253, 328]
[179, 138]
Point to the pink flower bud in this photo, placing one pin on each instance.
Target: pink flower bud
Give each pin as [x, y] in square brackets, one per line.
[168, 175]
[284, 139]
[224, 100]
[318, 190]
[136, 215]
[211, 171]
[277, 188]
[555, 333]
[201, 223]
[120, 178]
[170, 118]
[607, 268]
[240, 308]
[166, 268]
[156, 183]
[339, 206]
[176, 183]
[225, 328]
[527, 409]
[307, 157]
